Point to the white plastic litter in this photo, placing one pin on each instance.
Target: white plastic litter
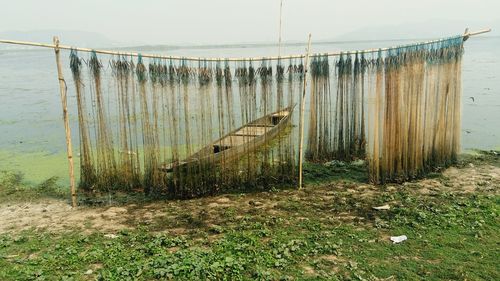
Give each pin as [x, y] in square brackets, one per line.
[398, 239]
[112, 236]
[384, 207]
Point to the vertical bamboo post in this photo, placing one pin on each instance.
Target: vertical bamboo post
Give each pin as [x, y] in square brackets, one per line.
[279, 37]
[302, 107]
[62, 90]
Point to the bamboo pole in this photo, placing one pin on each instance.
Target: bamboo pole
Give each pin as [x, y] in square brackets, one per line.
[62, 90]
[135, 54]
[302, 108]
[279, 37]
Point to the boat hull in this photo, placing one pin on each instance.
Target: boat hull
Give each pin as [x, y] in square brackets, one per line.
[239, 142]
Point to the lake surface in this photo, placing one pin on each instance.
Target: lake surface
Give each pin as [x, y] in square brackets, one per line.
[32, 137]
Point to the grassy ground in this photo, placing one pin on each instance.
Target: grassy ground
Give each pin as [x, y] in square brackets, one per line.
[327, 231]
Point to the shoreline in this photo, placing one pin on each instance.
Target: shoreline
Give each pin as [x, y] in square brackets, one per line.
[472, 171]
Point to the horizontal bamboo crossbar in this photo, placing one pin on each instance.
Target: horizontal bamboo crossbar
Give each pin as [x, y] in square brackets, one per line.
[135, 54]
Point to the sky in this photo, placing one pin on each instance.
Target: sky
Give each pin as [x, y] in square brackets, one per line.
[227, 21]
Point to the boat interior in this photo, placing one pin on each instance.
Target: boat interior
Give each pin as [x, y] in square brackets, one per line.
[250, 131]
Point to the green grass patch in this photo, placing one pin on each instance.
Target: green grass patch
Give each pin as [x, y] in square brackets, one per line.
[450, 237]
[320, 173]
[14, 188]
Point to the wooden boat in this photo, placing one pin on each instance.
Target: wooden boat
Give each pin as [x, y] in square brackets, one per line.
[240, 141]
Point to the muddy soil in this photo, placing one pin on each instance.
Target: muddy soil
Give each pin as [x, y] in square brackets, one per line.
[57, 216]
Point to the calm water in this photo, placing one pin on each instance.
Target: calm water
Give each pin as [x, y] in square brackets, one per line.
[32, 134]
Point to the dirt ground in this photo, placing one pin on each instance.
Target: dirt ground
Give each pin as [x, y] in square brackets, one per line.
[56, 215]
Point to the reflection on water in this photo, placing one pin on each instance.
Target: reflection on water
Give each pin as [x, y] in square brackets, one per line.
[32, 135]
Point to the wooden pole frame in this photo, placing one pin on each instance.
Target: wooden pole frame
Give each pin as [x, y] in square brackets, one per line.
[64, 102]
[302, 109]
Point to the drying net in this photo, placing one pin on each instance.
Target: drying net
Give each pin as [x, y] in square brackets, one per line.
[183, 128]
[399, 109]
